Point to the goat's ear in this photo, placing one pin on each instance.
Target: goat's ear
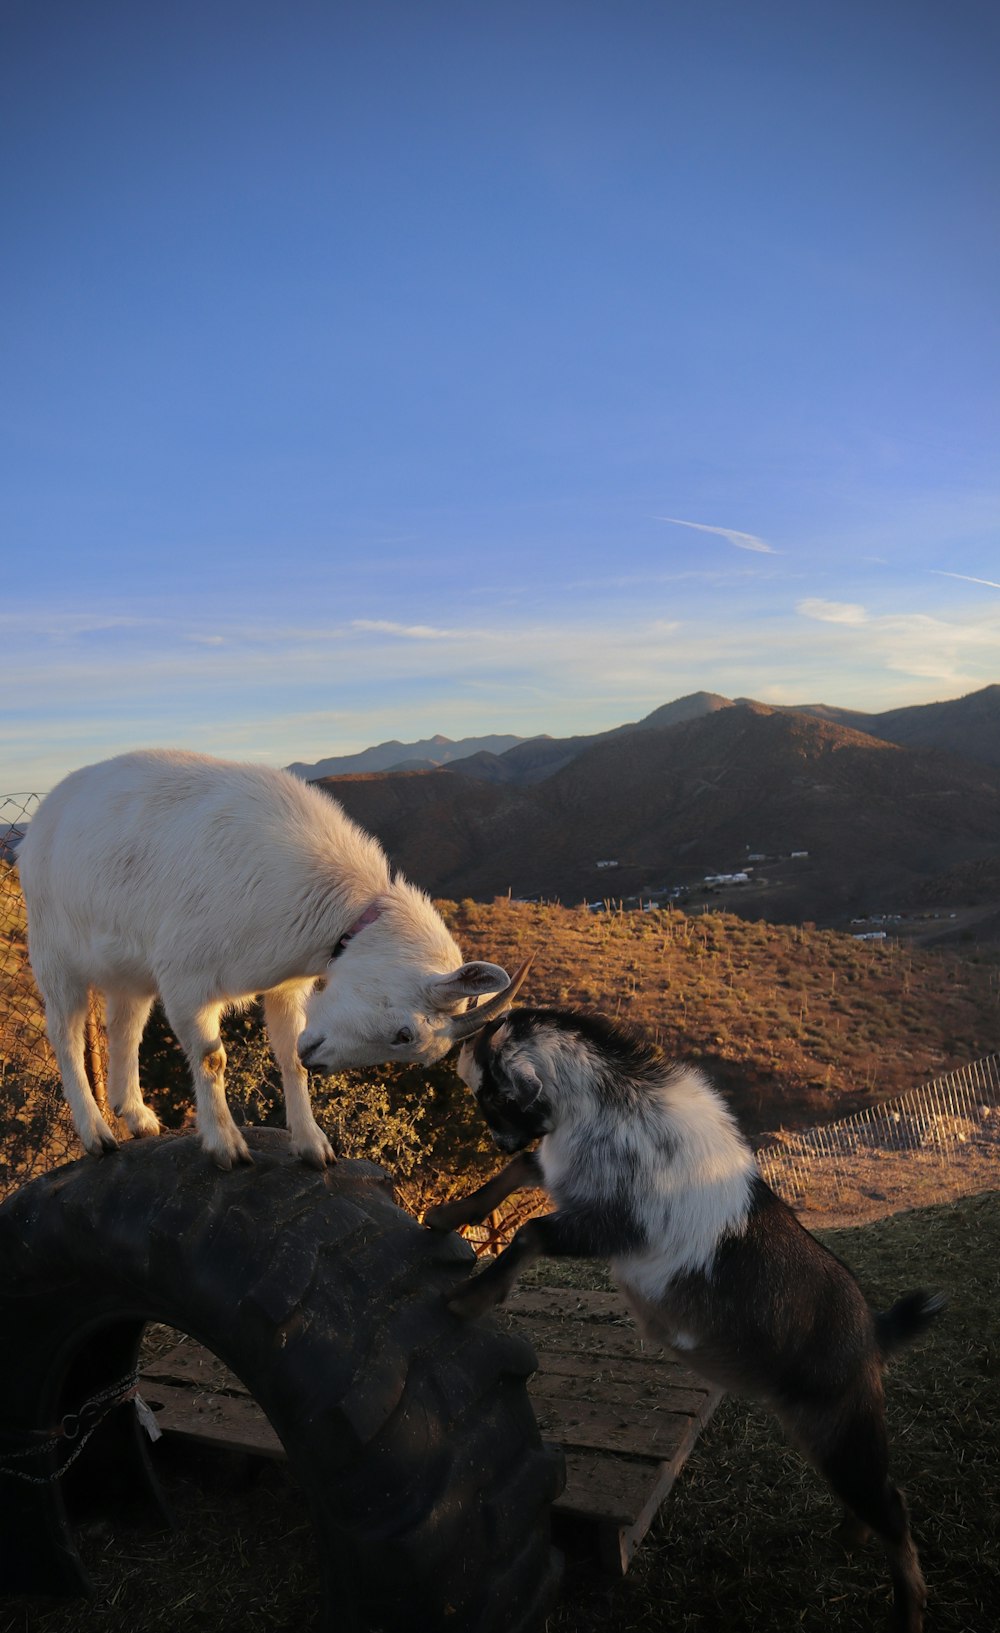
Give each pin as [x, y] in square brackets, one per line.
[468, 981]
[525, 1085]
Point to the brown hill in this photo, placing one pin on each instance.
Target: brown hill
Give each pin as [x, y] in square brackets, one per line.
[671, 805]
[541, 757]
[968, 725]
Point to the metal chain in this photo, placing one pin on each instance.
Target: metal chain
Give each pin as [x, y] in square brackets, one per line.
[79, 1425]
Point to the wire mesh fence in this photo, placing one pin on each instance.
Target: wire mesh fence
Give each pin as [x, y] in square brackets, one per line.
[938, 1142]
[36, 1131]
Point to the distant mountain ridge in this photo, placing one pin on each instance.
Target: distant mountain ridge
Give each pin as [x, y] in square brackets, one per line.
[717, 783]
[425, 755]
[968, 725]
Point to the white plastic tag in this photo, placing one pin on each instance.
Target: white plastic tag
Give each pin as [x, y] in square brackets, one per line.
[147, 1417]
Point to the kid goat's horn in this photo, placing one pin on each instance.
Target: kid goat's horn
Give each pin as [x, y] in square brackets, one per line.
[463, 1026]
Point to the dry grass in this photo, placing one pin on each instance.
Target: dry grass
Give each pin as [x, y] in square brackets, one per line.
[800, 1025]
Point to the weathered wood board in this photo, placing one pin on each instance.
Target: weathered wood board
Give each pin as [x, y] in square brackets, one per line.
[626, 1417]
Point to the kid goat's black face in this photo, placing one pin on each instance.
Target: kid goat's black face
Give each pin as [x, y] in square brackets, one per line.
[509, 1095]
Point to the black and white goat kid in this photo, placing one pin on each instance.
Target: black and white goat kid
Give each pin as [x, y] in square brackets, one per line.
[646, 1167]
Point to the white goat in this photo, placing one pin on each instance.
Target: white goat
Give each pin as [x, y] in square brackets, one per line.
[206, 883]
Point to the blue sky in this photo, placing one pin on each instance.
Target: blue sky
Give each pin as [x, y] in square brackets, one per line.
[373, 369]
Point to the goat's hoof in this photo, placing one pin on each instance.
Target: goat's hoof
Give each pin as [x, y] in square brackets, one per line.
[143, 1125]
[229, 1158]
[104, 1145]
[437, 1219]
[319, 1154]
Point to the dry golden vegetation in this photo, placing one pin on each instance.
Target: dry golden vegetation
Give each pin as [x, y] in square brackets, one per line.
[799, 1025]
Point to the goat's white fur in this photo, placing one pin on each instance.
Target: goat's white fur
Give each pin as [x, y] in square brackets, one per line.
[693, 1168]
[207, 882]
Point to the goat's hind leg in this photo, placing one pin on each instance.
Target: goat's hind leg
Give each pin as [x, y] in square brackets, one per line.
[66, 1002]
[126, 1020]
[856, 1464]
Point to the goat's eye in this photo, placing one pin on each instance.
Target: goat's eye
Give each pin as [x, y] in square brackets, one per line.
[404, 1035]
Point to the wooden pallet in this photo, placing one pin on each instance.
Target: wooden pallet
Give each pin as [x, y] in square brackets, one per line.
[626, 1417]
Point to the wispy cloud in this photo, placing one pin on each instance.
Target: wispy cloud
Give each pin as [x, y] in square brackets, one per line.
[742, 541]
[409, 632]
[966, 577]
[252, 688]
[833, 612]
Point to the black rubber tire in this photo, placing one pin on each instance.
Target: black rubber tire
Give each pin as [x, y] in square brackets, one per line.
[409, 1431]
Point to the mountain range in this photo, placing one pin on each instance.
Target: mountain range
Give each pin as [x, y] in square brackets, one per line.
[967, 725]
[702, 785]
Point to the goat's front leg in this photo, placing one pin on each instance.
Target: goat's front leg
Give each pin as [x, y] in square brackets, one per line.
[523, 1173]
[576, 1235]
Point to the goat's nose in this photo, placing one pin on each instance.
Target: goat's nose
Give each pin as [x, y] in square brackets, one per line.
[307, 1050]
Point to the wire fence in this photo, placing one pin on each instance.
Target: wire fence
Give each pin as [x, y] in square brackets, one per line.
[36, 1131]
[937, 1143]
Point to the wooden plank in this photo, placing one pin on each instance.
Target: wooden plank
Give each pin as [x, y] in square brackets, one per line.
[606, 1488]
[604, 1387]
[652, 1434]
[189, 1364]
[592, 1338]
[578, 1303]
[652, 1371]
[631, 1535]
[232, 1422]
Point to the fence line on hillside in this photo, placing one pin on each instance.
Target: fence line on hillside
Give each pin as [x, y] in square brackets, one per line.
[950, 1127]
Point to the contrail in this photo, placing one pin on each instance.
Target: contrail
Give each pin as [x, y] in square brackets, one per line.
[989, 582]
[742, 541]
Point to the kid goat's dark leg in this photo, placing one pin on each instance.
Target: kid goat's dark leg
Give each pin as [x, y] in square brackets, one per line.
[521, 1174]
[855, 1461]
[577, 1235]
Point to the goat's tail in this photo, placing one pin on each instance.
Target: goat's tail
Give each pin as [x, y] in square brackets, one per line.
[910, 1316]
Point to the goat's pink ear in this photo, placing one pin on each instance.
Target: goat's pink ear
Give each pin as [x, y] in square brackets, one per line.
[468, 981]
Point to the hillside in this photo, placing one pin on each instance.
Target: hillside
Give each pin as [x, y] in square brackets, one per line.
[700, 795]
[968, 725]
[798, 1025]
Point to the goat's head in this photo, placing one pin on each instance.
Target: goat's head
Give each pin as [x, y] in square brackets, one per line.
[400, 992]
[496, 1065]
